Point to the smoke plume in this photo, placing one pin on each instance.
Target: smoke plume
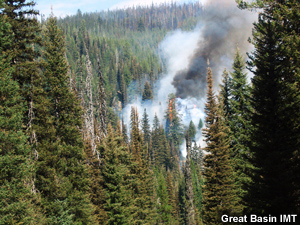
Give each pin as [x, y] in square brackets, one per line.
[185, 53]
[223, 28]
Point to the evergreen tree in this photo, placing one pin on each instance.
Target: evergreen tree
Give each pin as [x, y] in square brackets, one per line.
[172, 197]
[197, 155]
[155, 140]
[117, 179]
[182, 199]
[146, 128]
[164, 209]
[61, 175]
[18, 200]
[237, 110]
[218, 192]
[143, 206]
[135, 137]
[274, 146]
[197, 180]
[147, 93]
[26, 35]
[124, 132]
[174, 127]
[225, 91]
[192, 130]
[98, 193]
[200, 124]
[189, 189]
[162, 152]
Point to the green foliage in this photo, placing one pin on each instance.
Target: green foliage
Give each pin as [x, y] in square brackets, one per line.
[144, 207]
[174, 127]
[219, 191]
[141, 25]
[97, 191]
[192, 130]
[147, 93]
[117, 179]
[197, 180]
[60, 172]
[189, 188]
[274, 188]
[146, 128]
[164, 209]
[200, 124]
[18, 202]
[26, 35]
[235, 97]
[225, 92]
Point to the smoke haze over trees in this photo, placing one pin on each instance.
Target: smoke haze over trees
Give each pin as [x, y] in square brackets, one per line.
[147, 115]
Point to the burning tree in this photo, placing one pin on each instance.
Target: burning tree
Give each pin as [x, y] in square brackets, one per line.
[174, 128]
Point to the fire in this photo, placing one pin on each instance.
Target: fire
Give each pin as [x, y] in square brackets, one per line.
[170, 110]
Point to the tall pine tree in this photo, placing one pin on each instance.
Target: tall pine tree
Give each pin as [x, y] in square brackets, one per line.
[275, 136]
[17, 197]
[61, 174]
[218, 190]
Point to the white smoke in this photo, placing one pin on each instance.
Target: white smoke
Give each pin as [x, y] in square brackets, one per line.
[175, 49]
[179, 49]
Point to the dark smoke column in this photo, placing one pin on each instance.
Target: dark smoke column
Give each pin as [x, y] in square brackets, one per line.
[223, 28]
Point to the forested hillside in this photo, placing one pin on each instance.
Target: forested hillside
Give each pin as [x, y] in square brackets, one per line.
[71, 154]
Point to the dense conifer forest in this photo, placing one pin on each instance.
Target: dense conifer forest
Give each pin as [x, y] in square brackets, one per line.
[86, 138]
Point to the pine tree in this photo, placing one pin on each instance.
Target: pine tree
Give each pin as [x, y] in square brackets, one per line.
[164, 209]
[97, 190]
[147, 93]
[174, 127]
[26, 35]
[200, 124]
[117, 179]
[162, 152]
[135, 137]
[197, 180]
[218, 191]
[17, 198]
[146, 128]
[192, 130]
[189, 189]
[172, 198]
[237, 110]
[61, 176]
[274, 146]
[225, 92]
[197, 155]
[155, 140]
[143, 205]
[124, 132]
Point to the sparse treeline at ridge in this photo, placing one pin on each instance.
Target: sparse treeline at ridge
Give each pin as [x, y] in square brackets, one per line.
[68, 157]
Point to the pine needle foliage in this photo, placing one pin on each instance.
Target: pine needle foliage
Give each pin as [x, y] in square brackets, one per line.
[218, 190]
[61, 174]
[274, 188]
[18, 204]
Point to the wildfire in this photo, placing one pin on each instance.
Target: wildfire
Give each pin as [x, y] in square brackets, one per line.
[170, 110]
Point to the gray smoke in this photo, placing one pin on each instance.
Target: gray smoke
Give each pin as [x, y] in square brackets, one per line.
[185, 53]
[223, 28]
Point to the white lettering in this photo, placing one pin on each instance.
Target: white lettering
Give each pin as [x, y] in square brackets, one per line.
[224, 218]
[234, 219]
[288, 218]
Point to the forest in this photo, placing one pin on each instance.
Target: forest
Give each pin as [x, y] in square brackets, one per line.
[174, 113]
